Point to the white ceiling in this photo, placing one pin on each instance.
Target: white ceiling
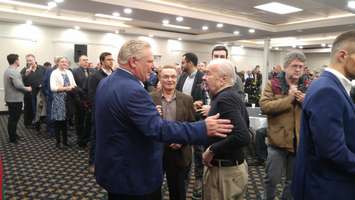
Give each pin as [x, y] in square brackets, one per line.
[319, 17]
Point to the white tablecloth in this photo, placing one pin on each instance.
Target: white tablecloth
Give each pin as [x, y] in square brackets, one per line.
[258, 122]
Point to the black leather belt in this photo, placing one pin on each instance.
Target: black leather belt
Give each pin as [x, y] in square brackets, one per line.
[226, 163]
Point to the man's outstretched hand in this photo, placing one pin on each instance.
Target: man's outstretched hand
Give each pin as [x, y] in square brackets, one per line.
[218, 127]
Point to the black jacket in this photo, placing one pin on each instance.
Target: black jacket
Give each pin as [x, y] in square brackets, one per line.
[81, 82]
[352, 93]
[197, 92]
[93, 81]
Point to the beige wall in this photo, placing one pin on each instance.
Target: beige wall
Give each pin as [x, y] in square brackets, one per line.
[47, 42]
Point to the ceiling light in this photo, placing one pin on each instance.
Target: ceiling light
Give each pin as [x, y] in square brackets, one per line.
[28, 22]
[166, 21]
[241, 46]
[113, 17]
[330, 46]
[127, 10]
[225, 44]
[277, 48]
[179, 19]
[117, 31]
[301, 47]
[294, 46]
[52, 4]
[30, 5]
[278, 8]
[251, 30]
[323, 45]
[77, 27]
[179, 38]
[205, 28]
[351, 4]
[177, 26]
[59, 1]
[219, 25]
[116, 14]
[236, 32]
[151, 35]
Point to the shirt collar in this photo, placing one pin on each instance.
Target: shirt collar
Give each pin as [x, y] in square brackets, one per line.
[123, 69]
[193, 74]
[343, 80]
[107, 72]
[163, 97]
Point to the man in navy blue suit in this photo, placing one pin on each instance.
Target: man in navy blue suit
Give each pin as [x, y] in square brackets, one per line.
[128, 162]
[325, 166]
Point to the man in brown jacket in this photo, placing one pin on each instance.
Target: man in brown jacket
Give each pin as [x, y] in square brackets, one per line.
[175, 106]
[282, 101]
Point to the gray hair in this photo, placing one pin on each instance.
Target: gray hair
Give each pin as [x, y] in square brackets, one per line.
[225, 68]
[132, 48]
[294, 55]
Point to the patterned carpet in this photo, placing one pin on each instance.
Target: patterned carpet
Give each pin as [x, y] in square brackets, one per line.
[35, 169]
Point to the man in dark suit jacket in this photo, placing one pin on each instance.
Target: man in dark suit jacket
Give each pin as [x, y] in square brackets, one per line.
[174, 106]
[82, 104]
[352, 93]
[106, 62]
[129, 129]
[325, 166]
[191, 83]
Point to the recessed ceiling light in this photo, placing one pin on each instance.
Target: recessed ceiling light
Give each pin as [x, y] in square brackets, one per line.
[166, 21]
[277, 48]
[179, 19]
[236, 32]
[351, 4]
[113, 17]
[323, 45]
[179, 38]
[117, 31]
[251, 30]
[219, 25]
[241, 46]
[205, 28]
[127, 10]
[28, 22]
[301, 47]
[116, 14]
[278, 8]
[294, 46]
[77, 27]
[177, 26]
[52, 4]
[225, 44]
[59, 1]
[330, 46]
[151, 35]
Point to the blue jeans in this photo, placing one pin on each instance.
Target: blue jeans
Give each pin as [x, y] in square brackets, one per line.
[278, 162]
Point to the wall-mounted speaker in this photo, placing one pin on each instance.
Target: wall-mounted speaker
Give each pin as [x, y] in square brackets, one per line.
[79, 50]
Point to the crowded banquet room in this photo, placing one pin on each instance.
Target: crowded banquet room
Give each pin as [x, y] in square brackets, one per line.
[177, 99]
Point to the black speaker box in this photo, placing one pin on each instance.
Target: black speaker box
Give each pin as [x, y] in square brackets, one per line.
[79, 50]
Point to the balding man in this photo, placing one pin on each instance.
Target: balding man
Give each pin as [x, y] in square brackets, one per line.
[129, 152]
[82, 105]
[325, 165]
[226, 171]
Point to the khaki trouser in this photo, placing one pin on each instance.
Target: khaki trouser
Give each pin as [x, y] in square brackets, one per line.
[225, 183]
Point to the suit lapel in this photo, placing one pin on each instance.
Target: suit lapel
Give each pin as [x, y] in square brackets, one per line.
[197, 77]
[340, 86]
[179, 107]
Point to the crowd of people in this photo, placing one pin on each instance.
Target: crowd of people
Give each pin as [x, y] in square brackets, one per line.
[140, 122]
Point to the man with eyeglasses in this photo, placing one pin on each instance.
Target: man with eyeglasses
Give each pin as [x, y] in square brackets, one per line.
[174, 106]
[282, 102]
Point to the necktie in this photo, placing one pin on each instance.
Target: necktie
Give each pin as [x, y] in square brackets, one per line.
[86, 73]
